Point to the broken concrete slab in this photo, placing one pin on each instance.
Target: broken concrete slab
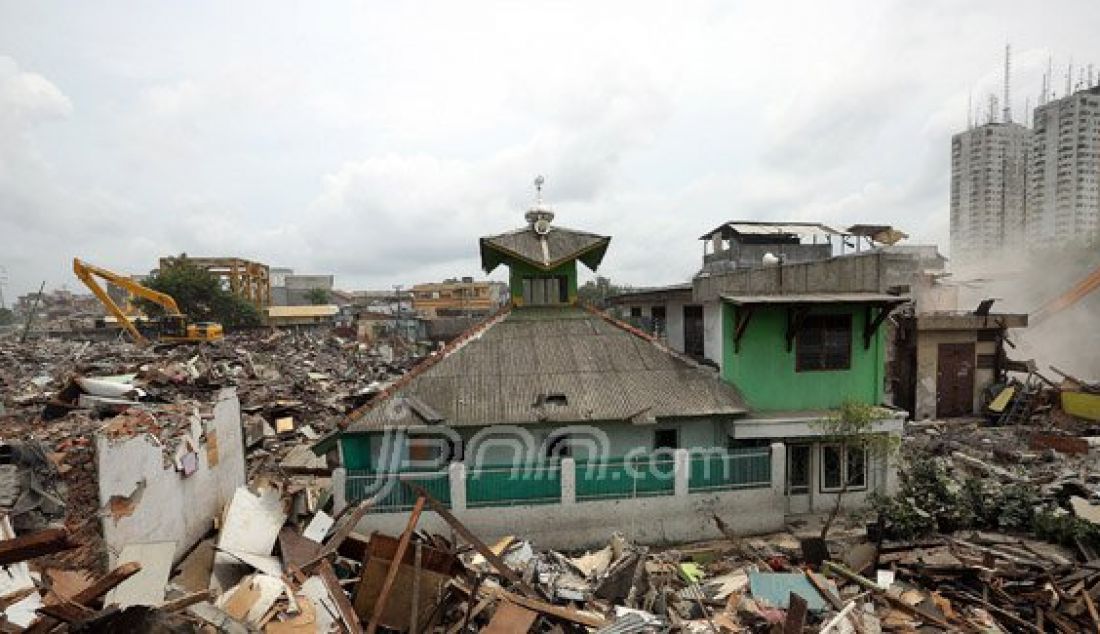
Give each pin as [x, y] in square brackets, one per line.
[252, 522]
[148, 585]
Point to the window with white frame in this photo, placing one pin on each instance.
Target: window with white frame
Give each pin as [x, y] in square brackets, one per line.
[843, 463]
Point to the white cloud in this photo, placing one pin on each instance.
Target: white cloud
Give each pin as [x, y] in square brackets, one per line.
[377, 142]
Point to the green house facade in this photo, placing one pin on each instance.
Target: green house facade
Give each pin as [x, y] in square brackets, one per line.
[806, 352]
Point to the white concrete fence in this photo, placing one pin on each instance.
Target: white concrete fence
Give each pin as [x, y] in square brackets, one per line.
[458, 473]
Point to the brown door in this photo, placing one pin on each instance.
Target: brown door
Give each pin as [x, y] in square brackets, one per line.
[955, 380]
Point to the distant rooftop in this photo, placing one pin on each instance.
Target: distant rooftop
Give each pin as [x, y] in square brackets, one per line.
[771, 229]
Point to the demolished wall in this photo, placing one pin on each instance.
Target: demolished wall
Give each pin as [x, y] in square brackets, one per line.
[150, 492]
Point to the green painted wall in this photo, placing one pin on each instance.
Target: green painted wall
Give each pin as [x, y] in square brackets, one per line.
[363, 450]
[765, 372]
[519, 269]
[356, 450]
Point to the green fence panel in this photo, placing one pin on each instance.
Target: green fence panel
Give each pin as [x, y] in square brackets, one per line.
[735, 469]
[620, 479]
[511, 486]
[395, 496]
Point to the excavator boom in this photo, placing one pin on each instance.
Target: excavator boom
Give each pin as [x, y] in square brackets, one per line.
[182, 331]
[1076, 293]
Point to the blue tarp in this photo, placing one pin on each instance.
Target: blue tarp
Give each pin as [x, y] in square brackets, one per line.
[775, 588]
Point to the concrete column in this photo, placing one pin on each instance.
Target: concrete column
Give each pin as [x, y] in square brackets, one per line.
[457, 473]
[339, 489]
[568, 481]
[890, 466]
[779, 469]
[682, 470]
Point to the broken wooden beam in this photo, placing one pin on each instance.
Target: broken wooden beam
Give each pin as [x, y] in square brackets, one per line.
[36, 544]
[85, 597]
[67, 612]
[494, 560]
[867, 584]
[395, 565]
[187, 600]
[339, 598]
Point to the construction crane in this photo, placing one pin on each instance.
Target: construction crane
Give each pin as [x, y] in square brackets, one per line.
[172, 327]
[1076, 293]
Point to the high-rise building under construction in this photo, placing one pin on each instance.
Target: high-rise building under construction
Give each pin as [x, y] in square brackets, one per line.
[1015, 187]
[1063, 203]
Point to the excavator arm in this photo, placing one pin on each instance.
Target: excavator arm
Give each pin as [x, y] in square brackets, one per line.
[87, 274]
[1076, 293]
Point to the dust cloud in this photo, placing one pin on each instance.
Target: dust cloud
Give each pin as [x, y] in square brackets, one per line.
[1069, 339]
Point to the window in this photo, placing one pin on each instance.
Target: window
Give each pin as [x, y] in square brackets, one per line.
[541, 291]
[635, 311]
[553, 398]
[666, 439]
[824, 343]
[798, 469]
[840, 463]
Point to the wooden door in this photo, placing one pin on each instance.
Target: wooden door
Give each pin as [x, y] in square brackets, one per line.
[955, 380]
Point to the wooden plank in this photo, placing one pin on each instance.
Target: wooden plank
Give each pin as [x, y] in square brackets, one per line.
[494, 560]
[867, 584]
[511, 619]
[1062, 444]
[1092, 612]
[557, 611]
[36, 544]
[339, 597]
[95, 590]
[186, 600]
[395, 564]
[796, 615]
[67, 612]
[478, 609]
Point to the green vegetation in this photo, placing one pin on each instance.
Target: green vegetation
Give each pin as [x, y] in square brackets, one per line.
[200, 296]
[7, 317]
[932, 500]
[596, 292]
[852, 426]
[317, 296]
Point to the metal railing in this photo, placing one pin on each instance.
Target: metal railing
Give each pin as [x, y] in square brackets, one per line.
[507, 485]
[390, 495]
[734, 469]
[642, 476]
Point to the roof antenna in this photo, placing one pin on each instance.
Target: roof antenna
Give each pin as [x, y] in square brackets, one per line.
[539, 180]
[969, 110]
[1008, 77]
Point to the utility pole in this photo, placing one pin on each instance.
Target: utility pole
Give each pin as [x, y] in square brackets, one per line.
[3, 281]
[397, 316]
[30, 315]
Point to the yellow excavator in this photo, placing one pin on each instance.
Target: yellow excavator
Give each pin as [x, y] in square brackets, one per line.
[171, 327]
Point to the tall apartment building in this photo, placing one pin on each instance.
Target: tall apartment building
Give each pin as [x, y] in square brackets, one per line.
[1064, 171]
[988, 189]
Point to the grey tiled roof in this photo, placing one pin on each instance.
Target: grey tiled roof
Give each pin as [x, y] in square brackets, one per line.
[605, 371]
[561, 244]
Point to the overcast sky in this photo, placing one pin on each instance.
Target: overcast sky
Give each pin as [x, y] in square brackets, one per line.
[377, 141]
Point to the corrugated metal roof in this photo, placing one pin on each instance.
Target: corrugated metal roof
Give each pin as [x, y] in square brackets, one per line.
[752, 228]
[548, 251]
[817, 298]
[605, 372]
[324, 310]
